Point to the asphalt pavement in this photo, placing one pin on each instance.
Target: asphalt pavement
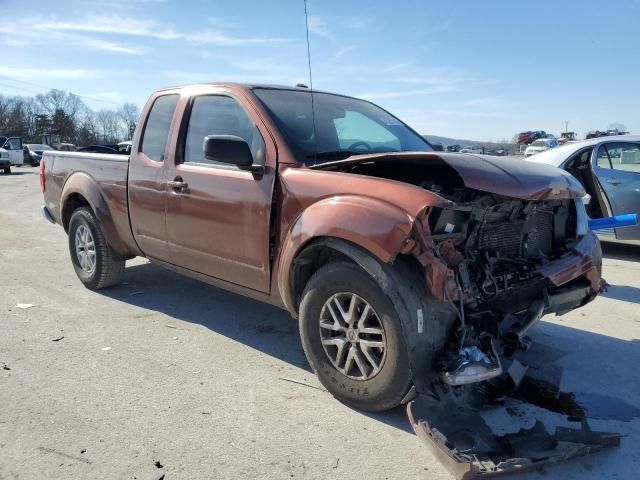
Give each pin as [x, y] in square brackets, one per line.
[164, 374]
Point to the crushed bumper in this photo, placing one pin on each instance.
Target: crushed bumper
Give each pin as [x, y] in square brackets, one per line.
[584, 259]
[464, 443]
[503, 425]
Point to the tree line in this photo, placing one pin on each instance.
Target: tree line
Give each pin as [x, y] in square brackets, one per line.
[63, 113]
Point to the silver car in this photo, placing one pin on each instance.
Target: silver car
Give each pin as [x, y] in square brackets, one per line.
[609, 170]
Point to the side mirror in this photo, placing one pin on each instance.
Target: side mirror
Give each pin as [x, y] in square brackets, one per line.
[227, 149]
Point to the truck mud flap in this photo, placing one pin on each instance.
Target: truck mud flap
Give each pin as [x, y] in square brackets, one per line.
[502, 425]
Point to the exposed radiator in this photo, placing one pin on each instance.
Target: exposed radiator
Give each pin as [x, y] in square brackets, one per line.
[518, 238]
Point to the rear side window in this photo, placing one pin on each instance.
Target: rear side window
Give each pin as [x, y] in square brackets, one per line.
[220, 115]
[156, 132]
[624, 156]
[603, 160]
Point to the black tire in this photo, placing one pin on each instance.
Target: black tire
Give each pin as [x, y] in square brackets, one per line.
[7, 169]
[382, 391]
[109, 267]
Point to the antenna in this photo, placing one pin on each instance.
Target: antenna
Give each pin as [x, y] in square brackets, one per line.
[313, 110]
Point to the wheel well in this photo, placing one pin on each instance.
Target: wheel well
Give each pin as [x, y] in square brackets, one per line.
[73, 202]
[310, 260]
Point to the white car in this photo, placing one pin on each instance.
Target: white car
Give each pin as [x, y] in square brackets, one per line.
[13, 146]
[471, 150]
[540, 145]
[609, 170]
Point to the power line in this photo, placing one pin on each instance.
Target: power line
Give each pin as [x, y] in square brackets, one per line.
[50, 88]
[19, 88]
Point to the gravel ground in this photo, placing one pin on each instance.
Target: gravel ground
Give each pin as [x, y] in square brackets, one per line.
[165, 369]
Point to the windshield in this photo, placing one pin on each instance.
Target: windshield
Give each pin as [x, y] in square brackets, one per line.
[38, 146]
[344, 126]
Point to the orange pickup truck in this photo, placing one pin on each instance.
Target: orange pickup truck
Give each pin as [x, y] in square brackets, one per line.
[413, 273]
[399, 262]
[405, 267]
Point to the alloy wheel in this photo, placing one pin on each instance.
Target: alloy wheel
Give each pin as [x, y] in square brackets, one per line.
[352, 336]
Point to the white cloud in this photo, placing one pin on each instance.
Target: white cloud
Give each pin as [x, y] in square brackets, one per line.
[127, 26]
[344, 51]
[216, 38]
[110, 24]
[408, 93]
[317, 26]
[112, 47]
[14, 42]
[50, 73]
[397, 67]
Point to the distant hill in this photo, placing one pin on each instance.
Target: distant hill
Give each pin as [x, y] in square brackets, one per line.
[510, 148]
[464, 143]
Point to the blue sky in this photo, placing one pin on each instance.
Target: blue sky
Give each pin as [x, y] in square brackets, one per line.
[469, 69]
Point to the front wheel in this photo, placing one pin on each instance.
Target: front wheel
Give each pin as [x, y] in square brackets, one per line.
[96, 265]
[352, 337]
[7, 169]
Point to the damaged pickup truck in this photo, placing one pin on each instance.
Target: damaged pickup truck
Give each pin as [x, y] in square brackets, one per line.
[412, 272]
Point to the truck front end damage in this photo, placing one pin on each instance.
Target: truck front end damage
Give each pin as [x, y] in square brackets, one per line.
[508, 243]
[500, 264]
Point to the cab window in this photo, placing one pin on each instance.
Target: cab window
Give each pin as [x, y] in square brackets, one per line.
[156, 131]
[219, 115]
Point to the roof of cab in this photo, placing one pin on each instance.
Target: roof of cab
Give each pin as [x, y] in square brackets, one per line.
[242, 85]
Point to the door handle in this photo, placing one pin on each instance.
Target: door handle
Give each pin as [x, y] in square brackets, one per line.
[614, 181]
[177, 185]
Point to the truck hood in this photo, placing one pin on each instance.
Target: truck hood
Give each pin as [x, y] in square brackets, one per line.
[503, 176]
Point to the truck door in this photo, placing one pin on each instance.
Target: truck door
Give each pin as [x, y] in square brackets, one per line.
[617, 167]
[13, 145]
[218, 215]
[146, 183]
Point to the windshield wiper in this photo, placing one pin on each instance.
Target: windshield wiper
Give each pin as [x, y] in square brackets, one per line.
[337, 154]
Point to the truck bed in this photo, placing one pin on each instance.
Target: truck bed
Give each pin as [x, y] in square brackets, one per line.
[105, 175]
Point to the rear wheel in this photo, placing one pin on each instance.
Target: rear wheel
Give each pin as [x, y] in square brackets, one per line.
[96, 265]
[352, 337]
[7, 169]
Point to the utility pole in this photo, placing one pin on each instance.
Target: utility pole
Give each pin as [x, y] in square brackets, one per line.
[566, 126]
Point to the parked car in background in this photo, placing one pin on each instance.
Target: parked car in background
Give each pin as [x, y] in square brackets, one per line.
[5, 161]
[33, 153]
[453, 148]
[98, 149]
[469, 149]
[595, 134]
[540, 145]
[64, 147]
[437, 146]
[13, 146]
[609, 170]
[525, 138]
